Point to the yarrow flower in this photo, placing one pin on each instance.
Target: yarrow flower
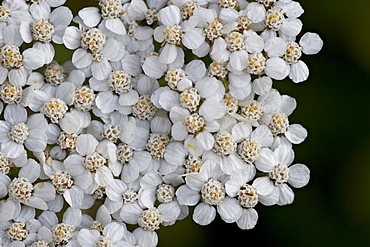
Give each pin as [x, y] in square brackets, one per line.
[162, 106]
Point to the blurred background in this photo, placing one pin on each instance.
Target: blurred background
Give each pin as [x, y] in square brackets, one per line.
[334, 106]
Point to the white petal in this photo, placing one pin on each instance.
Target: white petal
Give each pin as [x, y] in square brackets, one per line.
[116, 26]
[170, 211]
[277, 68]
[45, 191]
[169, 15]
[90, 16]
[7, 209]
[33, 58]
[248, 219]
[263, 185]
[86, 144]
[195, 70]
[275, 47]
[104, 176]
[72, 216]
[88, 237]
[14, 114]
[101, 70]
[204, 214]
[291, 27]
[219, 51]
[187, 196]
[238, 60]
[37, 203]
[61, 16]
[72, 37]
[169, 99]
[299, 72]
[17, 77]
[107, 101]
[25, 31]
[81, 58]
[114, 231]
[205, 140]
[296, 133]
[74, 196]
[70, 123]
[115, 190]
[153, 68]
[231, 163]
[299, 175]
[30, 171]
[212, 109]
[263, 135]
[12, 35]
[262, 85]
[256, 12]
[130, 172]
[193, 39]
[168, 54]
[229, 210]
[12, 149]
[207, 86]
[267, 160]
[175, 153]
[130, 213]
[286, 195]
[311, 43]
[240, 93]
[131, 64]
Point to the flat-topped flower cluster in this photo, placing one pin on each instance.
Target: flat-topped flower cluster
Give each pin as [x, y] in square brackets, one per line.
[163, 106]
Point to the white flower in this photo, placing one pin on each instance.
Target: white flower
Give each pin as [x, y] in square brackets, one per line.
[196, 126]
[21, 189]
[241, 148]
[49, 28]
[40, 9]
[110, 11]
[278, 123]
[14, 12]
[209, 186]
[280, 172]
[149, 220]
[111, 236]
[94, 50]
[22, 229]
[173, 32]
[44, 237]
[155, 187]
[92, 159]
[18, 131]
[252, 110]
[15, 64]
[62, 233]
[291, 52]
[69, 182]
[247, 197]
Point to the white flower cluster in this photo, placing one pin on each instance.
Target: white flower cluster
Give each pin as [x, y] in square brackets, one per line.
[163, 105]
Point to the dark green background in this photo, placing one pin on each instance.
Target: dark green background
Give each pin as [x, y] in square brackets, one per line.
[333, 104]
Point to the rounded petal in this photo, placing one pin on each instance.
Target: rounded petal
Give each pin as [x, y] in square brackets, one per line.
[299, 175]
[229, 210]
[299, 72]
[296, 133]
[277, 68]
[204, 214]
[248, 219]
[263, 185]
[86, 144]
[311, 43]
